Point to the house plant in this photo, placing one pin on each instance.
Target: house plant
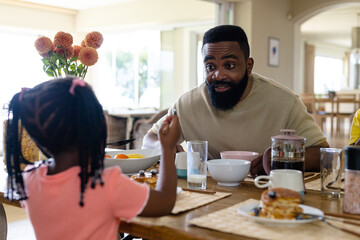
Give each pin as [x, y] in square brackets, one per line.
[61, 58]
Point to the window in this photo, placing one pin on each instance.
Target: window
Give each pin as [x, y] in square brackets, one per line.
[20, 66]
[200, 64]
[329, 74]
[129, 71]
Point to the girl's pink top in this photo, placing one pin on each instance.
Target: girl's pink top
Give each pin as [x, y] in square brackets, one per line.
[55, 213]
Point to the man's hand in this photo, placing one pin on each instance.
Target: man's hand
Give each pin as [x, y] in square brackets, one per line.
[262, 164]
[256, 167]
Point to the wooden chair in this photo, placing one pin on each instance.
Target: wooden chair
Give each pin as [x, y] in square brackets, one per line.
[316, 107]
[116, 129]
[325, 107]
[3, 223]
[142, 126]
[346, 107]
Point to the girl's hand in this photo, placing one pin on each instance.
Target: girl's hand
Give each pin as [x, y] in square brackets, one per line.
[169, 132]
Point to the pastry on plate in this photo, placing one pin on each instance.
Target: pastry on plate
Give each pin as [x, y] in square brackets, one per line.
[279, 203]
[149, 178]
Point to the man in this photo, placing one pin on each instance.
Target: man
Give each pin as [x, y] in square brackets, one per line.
[236, 109]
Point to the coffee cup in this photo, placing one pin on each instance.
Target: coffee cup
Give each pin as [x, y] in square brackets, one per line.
[181, 164]
[285, 178]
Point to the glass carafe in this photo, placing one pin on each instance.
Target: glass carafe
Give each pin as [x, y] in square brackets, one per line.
[288, 151]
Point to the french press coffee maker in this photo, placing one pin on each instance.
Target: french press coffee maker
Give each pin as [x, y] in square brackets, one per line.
[288, 151]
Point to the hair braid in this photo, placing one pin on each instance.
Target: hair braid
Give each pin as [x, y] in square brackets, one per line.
[58, 121]
[15, 184]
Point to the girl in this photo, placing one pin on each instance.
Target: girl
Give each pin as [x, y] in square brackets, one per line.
[65, 119]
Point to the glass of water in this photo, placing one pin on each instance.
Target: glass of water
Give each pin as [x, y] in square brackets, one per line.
[197, 164]
[331, 170]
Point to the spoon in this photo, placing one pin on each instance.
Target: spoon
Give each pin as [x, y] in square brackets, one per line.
[325, 218]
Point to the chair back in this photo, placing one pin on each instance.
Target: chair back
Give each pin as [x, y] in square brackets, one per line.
[309, 101]
[142, 126]
[116, 129]
[346, 103]
[3, 223]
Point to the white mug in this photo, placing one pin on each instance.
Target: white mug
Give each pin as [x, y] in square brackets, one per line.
[181, 164]
[285, 178]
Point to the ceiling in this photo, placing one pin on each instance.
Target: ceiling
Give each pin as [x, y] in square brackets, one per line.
[77, 4]
[330, 27]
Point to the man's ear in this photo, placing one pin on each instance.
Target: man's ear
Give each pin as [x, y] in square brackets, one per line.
[249, 65]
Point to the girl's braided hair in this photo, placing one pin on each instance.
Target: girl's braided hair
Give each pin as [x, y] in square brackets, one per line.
[57, 120]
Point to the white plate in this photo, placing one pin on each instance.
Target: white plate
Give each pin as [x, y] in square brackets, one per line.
[246, 209]
[132, 166]
[178, 190]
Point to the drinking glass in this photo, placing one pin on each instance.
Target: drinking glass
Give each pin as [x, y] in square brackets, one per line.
[197, 164]
[331, 168]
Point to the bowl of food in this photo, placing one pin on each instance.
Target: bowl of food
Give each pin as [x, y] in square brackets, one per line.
[228, 172]
[243, 155]
[131, 161]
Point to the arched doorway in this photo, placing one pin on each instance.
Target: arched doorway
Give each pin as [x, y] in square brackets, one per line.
[342, 17]
[303, 78]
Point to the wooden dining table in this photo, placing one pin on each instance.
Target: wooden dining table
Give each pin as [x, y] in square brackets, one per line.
[176, 226]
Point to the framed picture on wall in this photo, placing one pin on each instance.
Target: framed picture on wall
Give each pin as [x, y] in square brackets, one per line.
[274, 47]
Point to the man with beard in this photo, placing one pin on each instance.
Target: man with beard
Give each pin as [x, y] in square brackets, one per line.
[236, 109]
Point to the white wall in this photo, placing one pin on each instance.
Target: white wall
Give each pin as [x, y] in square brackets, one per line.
[146, 14]
[37, 18]
[243, 18]
[262, 19]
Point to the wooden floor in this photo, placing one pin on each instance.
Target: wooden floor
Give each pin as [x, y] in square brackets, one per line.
[338, 139]
[19, 226]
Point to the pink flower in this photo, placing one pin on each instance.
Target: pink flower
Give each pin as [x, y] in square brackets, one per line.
[77, 50]
[43, 45]
[88, 56]
[93, 39]
[63, 39]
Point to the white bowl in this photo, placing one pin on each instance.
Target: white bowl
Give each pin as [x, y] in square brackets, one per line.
[134, 165]
[228, 172]
[243, 155]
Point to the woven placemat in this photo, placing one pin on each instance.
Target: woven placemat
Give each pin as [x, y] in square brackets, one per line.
[241, 225]
[315, 185]
[185, 201]
[189, 200]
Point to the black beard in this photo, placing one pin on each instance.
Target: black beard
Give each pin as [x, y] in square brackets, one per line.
[227, 100]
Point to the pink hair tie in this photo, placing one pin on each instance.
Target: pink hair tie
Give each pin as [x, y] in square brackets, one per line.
[22, 93]
[76, 82]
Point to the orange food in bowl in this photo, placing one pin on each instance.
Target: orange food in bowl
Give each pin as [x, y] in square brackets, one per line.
[121, 156]
[107, 156]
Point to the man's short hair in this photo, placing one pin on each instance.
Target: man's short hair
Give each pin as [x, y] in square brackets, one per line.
[224, 33]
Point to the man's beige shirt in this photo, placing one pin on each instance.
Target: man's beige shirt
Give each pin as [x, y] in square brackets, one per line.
[250, 125]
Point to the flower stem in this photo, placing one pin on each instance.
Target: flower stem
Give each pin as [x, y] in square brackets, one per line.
[84, 72]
